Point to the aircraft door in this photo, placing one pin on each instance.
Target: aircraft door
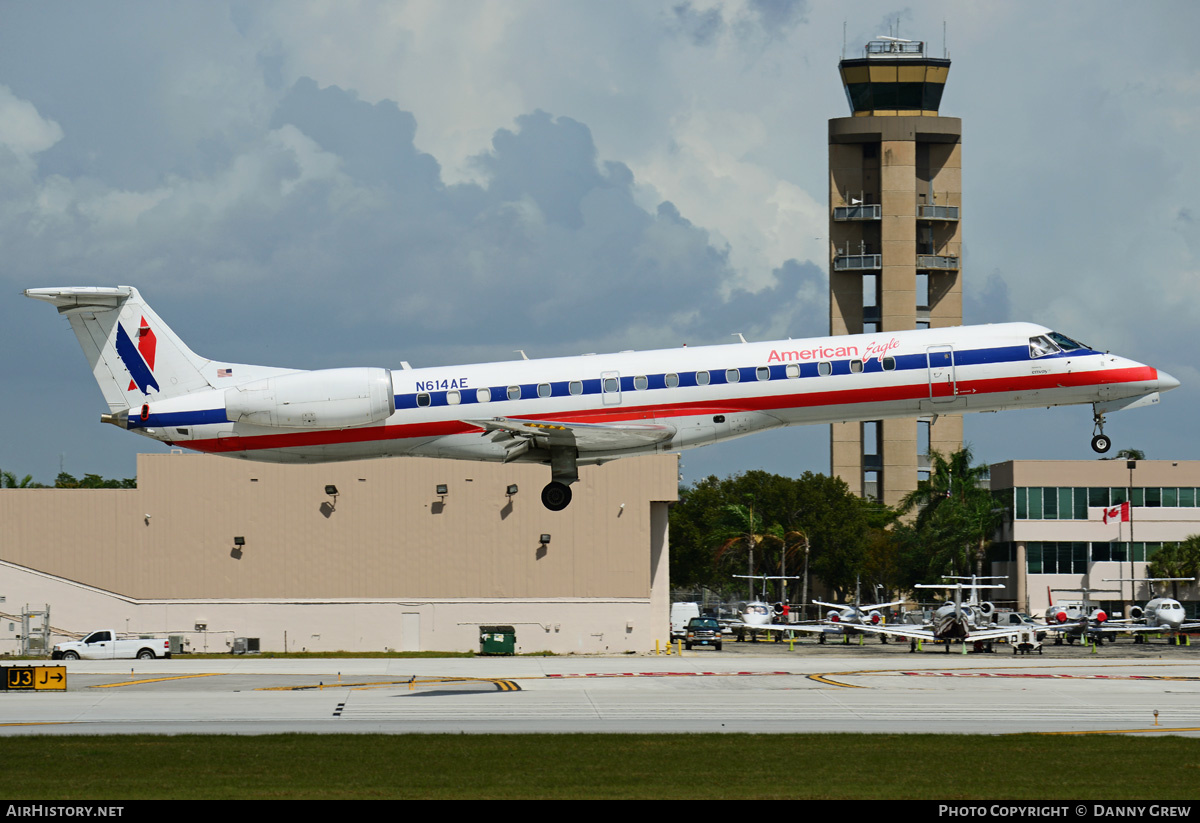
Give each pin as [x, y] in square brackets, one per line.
[610, 387]
[942, 385]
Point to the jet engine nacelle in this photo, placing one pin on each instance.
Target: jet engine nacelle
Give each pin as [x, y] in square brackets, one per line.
[325, 399]
[987, 608]
[833, 616]
[1136, 612]
[874, 618]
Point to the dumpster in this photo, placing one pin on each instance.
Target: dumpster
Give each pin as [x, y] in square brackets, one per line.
[497, 640]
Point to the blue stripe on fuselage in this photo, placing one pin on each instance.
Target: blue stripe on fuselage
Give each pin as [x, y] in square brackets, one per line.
[593, 386]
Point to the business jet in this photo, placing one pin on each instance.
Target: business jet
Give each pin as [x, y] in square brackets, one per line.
[571, 411]
[955, 619]
[1160, 614]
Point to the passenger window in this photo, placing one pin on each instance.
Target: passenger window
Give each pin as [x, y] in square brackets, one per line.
[640, 383]
[889, 364]
[824, 367]
[576, 387]
[792, 369]
[422, 399]
[732, 375]
[514, 392]
[611, 385]
[453, 398]
[543, 389]
[483, 395]
[763, 372]
[701, 378]
[672, 380]
[856, 366]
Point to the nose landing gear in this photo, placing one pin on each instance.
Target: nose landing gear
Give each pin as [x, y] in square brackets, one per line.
[1100, 441]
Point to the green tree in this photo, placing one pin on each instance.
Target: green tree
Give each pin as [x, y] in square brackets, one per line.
[956, 517]
[93, 481]
[1176, 560]
[8, 480]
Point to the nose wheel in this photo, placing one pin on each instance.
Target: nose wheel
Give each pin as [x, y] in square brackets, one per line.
[1100, 441]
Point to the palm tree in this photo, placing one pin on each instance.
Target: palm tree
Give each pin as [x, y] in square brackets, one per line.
[740, 529]
[956, 516]
[1176, 560]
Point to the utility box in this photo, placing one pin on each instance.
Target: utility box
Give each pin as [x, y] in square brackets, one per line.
[497, 640]
[245, 645]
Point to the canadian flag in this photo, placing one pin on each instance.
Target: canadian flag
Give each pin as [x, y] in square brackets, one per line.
[1120, 513]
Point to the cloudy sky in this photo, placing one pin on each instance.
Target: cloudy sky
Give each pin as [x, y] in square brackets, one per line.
[319, 184]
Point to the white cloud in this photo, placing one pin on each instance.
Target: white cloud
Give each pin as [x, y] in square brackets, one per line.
[22, 130]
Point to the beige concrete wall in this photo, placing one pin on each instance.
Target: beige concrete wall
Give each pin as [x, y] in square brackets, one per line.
[163, 555]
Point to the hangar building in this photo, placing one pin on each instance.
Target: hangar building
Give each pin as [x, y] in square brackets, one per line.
[408, 554]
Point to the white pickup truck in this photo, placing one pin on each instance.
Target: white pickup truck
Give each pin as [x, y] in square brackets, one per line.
[105, 645]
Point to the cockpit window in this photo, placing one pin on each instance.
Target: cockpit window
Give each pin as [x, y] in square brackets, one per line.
[1064, 342]
[1041, 346]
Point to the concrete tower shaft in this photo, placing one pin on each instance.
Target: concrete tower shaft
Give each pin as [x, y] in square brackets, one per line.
[895, 242]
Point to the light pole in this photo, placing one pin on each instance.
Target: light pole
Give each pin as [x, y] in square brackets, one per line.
[1131, 465]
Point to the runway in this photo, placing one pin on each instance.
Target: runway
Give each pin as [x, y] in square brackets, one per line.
[870, 689]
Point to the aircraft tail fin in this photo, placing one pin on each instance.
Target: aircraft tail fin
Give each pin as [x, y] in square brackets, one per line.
[134, 355]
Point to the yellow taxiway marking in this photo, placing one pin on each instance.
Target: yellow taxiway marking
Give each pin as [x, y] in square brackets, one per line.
[1000, 671]
[44, 723]
[152, 680]
[1152, 730]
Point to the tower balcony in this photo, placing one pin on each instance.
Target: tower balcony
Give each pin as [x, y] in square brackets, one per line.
[859, 212]
[943, 214]
[936, 262]
[858, 262]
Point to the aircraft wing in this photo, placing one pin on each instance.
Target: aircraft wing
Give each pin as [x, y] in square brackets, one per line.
[903, 630]
[583, 436]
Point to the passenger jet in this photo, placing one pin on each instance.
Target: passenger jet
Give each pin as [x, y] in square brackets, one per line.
[571, 411]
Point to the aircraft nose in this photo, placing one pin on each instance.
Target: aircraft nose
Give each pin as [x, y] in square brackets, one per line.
[1166, 382]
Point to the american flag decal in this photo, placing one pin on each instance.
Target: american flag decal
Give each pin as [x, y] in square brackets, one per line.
[224, 372]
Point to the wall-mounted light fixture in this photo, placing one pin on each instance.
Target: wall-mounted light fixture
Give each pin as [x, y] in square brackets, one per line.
[443, 489]
[544, 540]
[332, 491]
[511, 490]
[239, 541]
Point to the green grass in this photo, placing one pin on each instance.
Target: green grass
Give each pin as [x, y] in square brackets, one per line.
[294, 766]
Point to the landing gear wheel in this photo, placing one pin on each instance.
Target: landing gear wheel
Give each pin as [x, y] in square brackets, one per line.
[1101, 444]
[556, 496]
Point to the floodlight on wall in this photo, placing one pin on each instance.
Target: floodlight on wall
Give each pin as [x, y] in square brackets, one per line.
[332, 491]
[544, 540]
[511, 490]
[442, 489]
[239, 541]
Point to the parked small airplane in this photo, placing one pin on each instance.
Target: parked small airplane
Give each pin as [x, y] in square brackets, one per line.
[954, 620]
[1160, 614]
[571, 411]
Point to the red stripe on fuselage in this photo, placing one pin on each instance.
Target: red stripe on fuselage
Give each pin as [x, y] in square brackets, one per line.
[885, 394]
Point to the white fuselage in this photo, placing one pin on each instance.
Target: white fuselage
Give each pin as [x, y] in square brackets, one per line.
[695, 395]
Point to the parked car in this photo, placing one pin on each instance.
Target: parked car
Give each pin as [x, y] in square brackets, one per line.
[703, 631]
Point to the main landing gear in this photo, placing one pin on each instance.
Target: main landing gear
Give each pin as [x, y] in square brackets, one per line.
[556, 496]
[564, 470]
[1100, 442]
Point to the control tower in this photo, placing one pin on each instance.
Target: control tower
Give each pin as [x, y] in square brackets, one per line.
[895, 243]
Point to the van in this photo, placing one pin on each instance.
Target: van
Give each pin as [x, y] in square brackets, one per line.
[681, 613]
